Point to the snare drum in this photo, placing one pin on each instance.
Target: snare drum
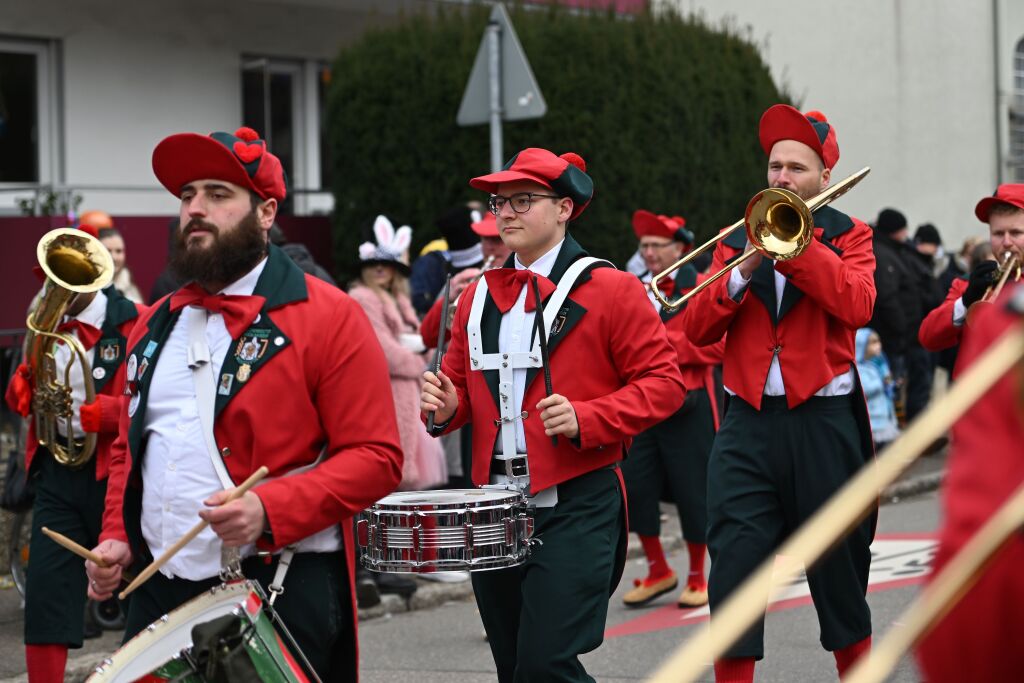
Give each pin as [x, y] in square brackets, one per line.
[161, 652]
[449, 530]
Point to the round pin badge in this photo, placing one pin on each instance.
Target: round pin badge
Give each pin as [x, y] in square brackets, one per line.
[278, 341]
[133, 404]
[131, 367]
[99, 373]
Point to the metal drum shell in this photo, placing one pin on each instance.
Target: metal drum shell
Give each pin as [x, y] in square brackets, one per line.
[449, 530]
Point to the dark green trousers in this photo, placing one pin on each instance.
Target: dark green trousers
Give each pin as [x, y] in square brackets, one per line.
[316, 607]
[543, 614]
[770, 470]
[672, 454]
[69, 501]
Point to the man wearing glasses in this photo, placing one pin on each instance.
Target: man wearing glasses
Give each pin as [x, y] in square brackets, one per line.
[674, 452]
[613, 375]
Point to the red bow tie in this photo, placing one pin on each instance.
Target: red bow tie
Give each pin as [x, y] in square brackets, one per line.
[666, 285]
[505, 284]
[87, 334]
[238, 311]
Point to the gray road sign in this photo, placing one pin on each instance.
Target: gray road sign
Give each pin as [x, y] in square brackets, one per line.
[520, 97]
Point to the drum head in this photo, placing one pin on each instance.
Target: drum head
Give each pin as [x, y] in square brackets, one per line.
[449, 497]
[165, 638]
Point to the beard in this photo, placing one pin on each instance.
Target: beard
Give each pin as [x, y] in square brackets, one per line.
[232, 254]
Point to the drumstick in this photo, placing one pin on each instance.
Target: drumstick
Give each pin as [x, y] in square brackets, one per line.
[236, 493]
[81, 551]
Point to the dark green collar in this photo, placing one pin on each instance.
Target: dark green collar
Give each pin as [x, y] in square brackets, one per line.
[281, 281]
[120, 309]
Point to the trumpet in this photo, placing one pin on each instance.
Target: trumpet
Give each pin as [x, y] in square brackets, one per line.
[779, 225]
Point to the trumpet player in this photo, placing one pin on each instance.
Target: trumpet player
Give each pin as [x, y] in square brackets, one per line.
[795, 427]
[69, 494]
[943, 328]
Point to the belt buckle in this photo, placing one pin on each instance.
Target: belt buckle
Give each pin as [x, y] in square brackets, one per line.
[517, 468]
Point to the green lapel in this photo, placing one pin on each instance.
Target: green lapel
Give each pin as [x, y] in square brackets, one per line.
[110, 349]
[281, 283]
[571, 312]
[833, 223]
[141, 360]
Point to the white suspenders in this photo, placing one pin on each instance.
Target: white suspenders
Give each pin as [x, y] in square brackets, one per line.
[506, 362]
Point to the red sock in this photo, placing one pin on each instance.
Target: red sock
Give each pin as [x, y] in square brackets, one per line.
[45, 663]
[846, 657]
[738, 670]
[657, 567]
[696, 578]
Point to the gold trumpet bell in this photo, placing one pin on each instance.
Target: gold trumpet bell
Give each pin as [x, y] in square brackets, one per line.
[779, 223]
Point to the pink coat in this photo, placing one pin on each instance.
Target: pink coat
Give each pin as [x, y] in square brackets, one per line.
[424, 458]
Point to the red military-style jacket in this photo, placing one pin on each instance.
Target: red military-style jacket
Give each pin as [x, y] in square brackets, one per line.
[319, 384]
[609, 356]
[108, 371]
[829, 293]
[695, 362]
[937, 330]
[979, 639]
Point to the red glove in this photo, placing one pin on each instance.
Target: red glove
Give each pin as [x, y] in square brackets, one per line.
[19, 391]
[91, 414]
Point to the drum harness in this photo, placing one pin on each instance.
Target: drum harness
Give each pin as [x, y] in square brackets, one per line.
[515, 471]
[202, 376]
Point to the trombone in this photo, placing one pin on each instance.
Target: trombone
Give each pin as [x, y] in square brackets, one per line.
[778, 223]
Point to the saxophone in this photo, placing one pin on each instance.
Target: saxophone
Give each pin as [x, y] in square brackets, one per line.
[75, 263]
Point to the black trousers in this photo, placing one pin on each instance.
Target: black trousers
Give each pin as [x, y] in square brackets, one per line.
[69, 501]
[543, 614]
[770, 470]
[673, 453]
[316, 607]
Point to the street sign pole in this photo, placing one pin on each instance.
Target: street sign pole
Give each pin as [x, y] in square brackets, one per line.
[494, 68]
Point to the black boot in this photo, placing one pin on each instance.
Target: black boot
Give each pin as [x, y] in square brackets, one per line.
[367, 594]
[395, 584]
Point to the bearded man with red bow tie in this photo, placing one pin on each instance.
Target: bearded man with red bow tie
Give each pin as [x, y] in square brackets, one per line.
[672, 456]
[795, 427]
[612, 375]
[253, 363]
[70, 500]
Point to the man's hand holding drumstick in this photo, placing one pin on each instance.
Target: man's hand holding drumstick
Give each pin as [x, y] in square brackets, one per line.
[236, 516]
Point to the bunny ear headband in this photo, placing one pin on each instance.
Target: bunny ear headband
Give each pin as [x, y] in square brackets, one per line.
[390, 247]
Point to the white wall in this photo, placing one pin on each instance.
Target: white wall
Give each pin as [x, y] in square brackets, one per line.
[908, 84]
[134, 72]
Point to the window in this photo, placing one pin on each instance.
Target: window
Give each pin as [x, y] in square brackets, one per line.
[283, 101]
[27, 112]
[1017, 117]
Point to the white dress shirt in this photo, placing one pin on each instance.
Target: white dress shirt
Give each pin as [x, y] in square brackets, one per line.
[840, 385]
[516, 334]
[177, 473]
[959, 312]
[94, 314]
[646, 278]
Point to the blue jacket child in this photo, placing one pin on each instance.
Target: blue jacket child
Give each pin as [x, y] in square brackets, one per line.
[877, 381]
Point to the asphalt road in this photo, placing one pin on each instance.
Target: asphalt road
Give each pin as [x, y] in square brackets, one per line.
[445, 645]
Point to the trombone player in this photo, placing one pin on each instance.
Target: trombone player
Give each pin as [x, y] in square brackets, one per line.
[1004, 212]
[795, 428]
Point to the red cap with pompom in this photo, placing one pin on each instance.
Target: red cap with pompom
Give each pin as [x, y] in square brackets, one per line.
[565, 175]
[783, 122]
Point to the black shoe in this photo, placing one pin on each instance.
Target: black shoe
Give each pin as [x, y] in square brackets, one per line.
[367, 594]
[396, 584]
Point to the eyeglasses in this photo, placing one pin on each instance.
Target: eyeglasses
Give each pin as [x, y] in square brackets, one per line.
[520, 202]
[647, 246]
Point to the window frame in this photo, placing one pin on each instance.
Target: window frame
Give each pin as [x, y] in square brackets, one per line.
[48, 109]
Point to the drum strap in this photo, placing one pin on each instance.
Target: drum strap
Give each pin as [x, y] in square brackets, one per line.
[276, 586]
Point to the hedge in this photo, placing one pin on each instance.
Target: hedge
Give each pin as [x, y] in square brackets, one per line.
[663, 108]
